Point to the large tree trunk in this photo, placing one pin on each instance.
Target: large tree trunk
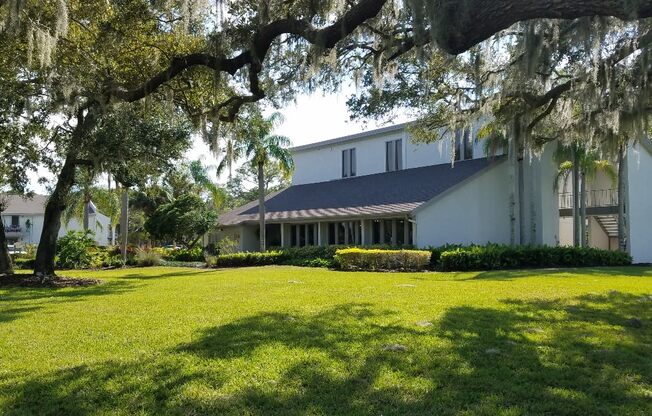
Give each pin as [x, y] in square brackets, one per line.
[6, 267]
[261, 205]
[124, 223]
[459, 25]
[584, 236]
[47, 247]
[622, 198]
[576, 199]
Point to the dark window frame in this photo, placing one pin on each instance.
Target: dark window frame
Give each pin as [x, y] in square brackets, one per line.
[394, 155]
[349, 163]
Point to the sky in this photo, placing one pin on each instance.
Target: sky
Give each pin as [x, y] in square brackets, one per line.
[312, 118]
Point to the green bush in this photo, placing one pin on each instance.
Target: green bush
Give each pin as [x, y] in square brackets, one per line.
[248, 259]
[437, 252]
[147, 258]
[310, 256]
[23, 263]
[74, 250]
[385, 260]
[184, 254]
[497, 257]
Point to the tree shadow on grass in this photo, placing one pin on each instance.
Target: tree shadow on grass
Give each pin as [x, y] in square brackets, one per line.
[144, 275]
[571, 356]
[633, 271]
[16, 301]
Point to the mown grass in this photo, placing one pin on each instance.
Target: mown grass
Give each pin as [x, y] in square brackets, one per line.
[290, 341]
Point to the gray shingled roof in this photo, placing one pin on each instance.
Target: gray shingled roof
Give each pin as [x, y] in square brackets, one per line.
[382, 194]
[17, 205]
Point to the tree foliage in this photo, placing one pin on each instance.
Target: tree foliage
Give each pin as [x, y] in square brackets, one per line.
[184, 220]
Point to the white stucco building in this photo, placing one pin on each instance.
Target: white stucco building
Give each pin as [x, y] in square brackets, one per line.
[23, 221]
[378, 187]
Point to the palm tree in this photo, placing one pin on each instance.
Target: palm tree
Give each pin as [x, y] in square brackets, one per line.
[79, 200]
[581, 164]
[201, 177]
[261, 147]
[108, 203]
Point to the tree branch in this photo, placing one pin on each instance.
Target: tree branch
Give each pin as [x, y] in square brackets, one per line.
[262, 40]
[463, 24]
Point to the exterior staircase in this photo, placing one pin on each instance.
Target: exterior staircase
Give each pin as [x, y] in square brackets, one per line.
[609, 224]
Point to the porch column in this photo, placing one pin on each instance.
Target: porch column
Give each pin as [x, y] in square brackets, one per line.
[322, 233]
[406, 231]
[394, 233]
[365, 237]
[414, 233]
[298, 234]
[358, 232]
[346, 232]
[306, 234]
[286, 235]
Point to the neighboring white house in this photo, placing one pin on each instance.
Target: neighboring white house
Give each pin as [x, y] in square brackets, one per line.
[378, 187]
[23, 221]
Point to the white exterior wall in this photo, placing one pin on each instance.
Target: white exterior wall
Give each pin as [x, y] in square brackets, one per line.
[566, 231]
[639, 173]
[597, 237]
[248, 238]
[474, 212]
[98, 223]
[540, 199]
[324, 163]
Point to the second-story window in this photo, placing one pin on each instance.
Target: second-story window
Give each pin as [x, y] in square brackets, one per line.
[348, 163]
[463, 145]
[393, 155]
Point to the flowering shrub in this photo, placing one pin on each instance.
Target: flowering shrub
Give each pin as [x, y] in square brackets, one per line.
[386, 260]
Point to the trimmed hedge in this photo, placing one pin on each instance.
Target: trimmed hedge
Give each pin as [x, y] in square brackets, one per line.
[22, 263]
[445, 258]
[498, 257]
[248, 259]
[385, 260]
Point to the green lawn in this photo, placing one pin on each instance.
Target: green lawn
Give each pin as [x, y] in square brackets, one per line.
[283, 340]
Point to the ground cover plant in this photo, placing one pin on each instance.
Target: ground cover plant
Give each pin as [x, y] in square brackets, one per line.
[291, 341]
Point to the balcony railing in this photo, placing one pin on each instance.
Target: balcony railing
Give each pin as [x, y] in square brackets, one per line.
[594, 199]
[13, 229]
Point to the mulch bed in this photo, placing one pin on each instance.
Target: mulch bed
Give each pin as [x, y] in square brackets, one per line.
[27, 280]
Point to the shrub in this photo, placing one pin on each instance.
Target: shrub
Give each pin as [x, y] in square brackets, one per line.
[386, 260]
[184, 254]
[23, 263]
[496, 257]
[437, 252]
[74, 250]
[132, 251]
[248, 259]
[148, 258]
[311, 256]
[226, 245]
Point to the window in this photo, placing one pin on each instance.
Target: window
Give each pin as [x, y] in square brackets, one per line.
[394, 155]
[15, 220]
[468, 145]
[348, 163]
[463, 145]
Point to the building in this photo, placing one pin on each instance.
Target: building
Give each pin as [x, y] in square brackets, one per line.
[23, 221]
[378, 187]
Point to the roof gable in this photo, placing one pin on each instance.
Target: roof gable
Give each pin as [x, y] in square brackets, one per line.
[19, 205]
